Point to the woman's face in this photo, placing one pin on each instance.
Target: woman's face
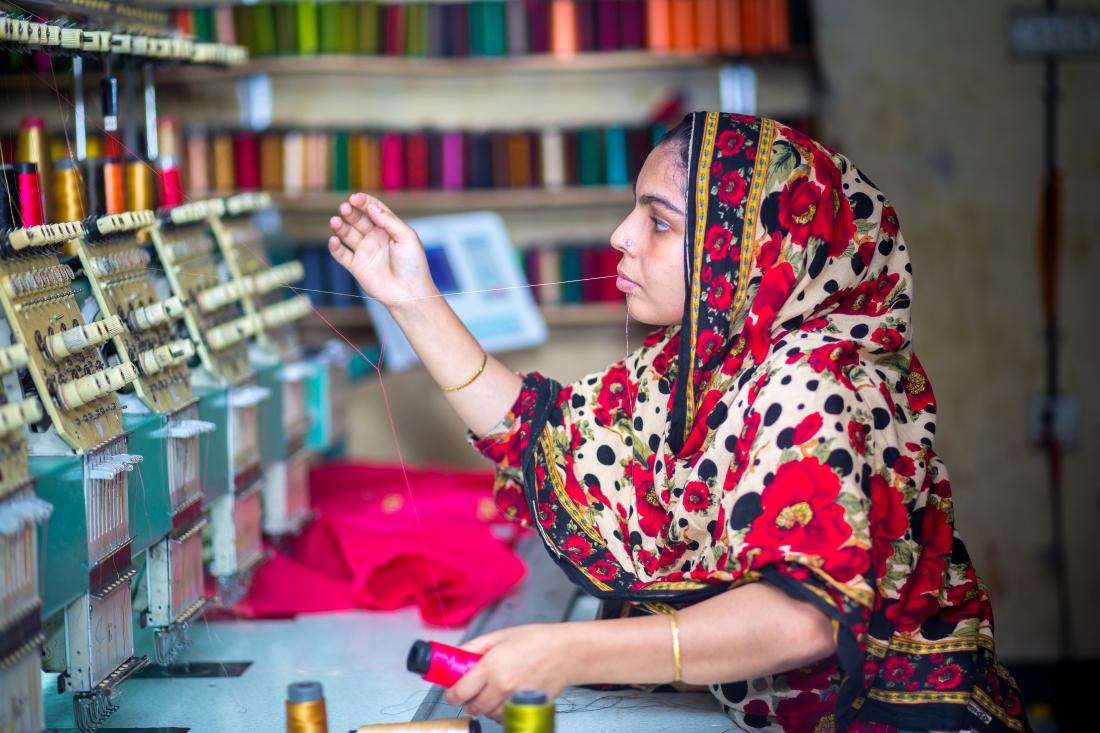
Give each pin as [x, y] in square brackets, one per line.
[651, 240]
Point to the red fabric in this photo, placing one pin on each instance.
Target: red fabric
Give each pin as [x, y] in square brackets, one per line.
[371, 546]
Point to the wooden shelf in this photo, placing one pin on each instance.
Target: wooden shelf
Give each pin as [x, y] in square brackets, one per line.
[416, 202]
[536, 63]
[532, 215]
[355, 322]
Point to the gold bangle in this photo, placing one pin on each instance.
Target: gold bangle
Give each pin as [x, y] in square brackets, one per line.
[468, 382]
[676, 663]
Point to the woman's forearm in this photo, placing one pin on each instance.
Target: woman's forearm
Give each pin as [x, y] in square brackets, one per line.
[452, 355]
[749, 632]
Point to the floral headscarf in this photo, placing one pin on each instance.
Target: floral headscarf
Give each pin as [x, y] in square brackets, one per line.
[783, 431]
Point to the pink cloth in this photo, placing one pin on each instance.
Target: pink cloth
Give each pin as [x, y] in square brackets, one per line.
[444, 549]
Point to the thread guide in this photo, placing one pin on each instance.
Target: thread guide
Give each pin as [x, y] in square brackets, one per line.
[115, 261]
[76, 387]
[188, 252]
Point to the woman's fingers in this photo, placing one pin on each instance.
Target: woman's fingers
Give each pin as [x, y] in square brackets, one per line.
[489, 699]
[466, 689]
[340, 253]
[344, 231]
[385, 219]
[356, 218]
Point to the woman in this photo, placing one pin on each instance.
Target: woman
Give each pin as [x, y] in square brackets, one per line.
[757, 484]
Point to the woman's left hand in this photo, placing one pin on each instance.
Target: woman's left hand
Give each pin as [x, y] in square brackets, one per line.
[532, 657]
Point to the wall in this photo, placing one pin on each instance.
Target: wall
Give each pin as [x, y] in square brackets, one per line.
[926, 100]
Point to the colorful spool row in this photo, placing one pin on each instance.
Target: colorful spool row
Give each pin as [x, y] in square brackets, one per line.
[487, 28]
[293, 162]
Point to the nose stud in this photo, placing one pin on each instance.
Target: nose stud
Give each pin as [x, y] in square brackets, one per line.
[629, 244]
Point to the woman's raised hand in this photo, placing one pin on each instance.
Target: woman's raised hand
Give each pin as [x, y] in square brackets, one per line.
[381, 251]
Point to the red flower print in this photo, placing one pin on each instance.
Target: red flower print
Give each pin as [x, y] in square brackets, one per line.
[663, 359]
[799, 203]
[672, 553]
[835, 222]
[815, 677]
[648, 560]
[741, 448]
[797, 137]
[732, 188]
[835, 358]
[546, 515]
[848, 563]
[800, 510]
[889, 219]
[947, 677]
[614, 395]
[937, 658]
[889, 517]
[696, 496]
[699, 428]
[511, 502]
[603, 570]
[857, 435]
[736, 356]
[870, 671]
[919, 600]
[913, 685]
[807, 712]
[758, 708]
[773, 291]
[709, 342]
[652, 516]
[769, 251]
[866, 253]
[730, 142]
[720, 294]
[887, 338]
[917, 387]
[807, 428]
[904, 466]
[1012, 705]
[718, 242]
[575, 437]
[654, 337]
[965, 601]
[896, 669]
[814, 324]
[577, 546]
[866, 299]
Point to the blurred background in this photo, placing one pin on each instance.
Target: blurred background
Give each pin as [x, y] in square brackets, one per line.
[962, 113]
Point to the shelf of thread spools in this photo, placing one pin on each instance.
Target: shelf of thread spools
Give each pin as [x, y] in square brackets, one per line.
[472, 29]
[548, 183]
[419, 61]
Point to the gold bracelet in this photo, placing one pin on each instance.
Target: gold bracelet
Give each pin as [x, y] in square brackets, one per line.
[468, 382]
[676, 663]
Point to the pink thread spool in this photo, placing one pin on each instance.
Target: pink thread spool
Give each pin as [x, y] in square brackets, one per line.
[438, 663]
[169, 183]
[30, 194]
